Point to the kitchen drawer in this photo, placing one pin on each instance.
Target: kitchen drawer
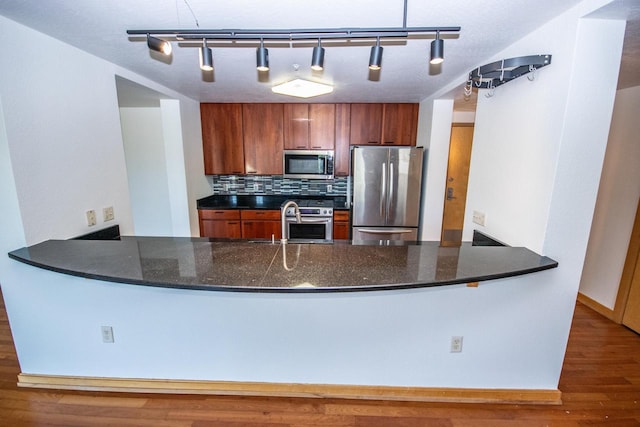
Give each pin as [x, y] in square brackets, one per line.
[219, 213]
[258, 214]
[341, 215]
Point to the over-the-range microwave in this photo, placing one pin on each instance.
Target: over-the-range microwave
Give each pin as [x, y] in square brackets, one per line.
[309, 164]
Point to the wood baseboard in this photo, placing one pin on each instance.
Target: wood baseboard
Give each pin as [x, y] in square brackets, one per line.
[597, 307]
[418, 394]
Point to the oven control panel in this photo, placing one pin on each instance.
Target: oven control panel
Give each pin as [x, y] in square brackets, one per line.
[317, 212]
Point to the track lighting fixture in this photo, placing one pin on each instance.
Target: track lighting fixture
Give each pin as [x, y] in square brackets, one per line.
[158, 45]
[206, 57]
[262, 57]
[317, 60]
[375, 59]
[290, 37]
[437, 50]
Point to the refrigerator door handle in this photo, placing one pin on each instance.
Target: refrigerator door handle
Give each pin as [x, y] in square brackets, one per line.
[383, 191]
[394, 231]
[391, 191]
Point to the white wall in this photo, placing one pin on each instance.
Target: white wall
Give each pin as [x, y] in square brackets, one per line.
[146, 161]
[435, 125]
[65, 142]
[618, 196]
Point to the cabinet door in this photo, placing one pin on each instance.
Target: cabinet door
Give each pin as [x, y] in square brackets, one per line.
[322, 125]
[343, 153]
[296, 126]
[263, 138]
[221, 223]
[341, 225]
[222, 138]
[366, 121]
[399, 124]
[255, 229]
[261, 224]
[220, 229]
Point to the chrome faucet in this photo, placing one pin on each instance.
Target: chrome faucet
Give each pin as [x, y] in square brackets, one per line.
[283, 218]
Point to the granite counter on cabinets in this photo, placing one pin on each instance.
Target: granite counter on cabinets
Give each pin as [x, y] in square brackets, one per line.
[208, 264]
[261, 201]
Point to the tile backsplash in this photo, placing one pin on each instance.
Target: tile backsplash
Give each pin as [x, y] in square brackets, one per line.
[276, 184]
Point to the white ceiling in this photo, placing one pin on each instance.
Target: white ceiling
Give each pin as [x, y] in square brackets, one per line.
[99, 27]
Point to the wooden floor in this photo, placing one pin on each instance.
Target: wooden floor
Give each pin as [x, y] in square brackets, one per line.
[600, 385]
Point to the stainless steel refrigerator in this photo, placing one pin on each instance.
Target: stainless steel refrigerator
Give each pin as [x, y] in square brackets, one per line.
[387, 184]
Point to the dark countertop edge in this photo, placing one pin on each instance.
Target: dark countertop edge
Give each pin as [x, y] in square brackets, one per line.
[258, 289]
[208, 202]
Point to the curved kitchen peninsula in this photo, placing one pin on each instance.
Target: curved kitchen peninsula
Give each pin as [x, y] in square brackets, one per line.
[338, 320]
[263, 266]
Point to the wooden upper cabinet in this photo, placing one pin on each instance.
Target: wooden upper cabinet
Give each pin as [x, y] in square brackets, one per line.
[399, 124]
[263, 138]
[322, 125]
[296, 126]
[222, 138]
[378, 124]
[342, 154]
[366, 124]
[309, 126]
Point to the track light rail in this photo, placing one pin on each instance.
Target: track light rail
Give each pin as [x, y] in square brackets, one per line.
[293, 34]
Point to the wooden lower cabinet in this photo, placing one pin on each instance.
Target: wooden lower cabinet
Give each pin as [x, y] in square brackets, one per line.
[221, 223]
[341, 225]
[261, 224]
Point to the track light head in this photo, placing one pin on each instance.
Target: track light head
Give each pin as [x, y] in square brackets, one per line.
[262, 58]
[317, 59]
[159, 45]
[375, 59]
[437, 50]
[206, 57]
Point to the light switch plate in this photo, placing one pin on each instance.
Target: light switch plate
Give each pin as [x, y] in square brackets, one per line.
[479, 218]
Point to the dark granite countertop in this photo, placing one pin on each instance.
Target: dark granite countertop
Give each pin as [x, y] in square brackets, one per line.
[266, 201]
[208, 264]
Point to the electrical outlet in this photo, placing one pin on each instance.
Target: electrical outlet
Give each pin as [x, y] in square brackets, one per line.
[479, 218]
[107, 334]
[329, 188]
[456, 345]
[91, 218]
[107, 214]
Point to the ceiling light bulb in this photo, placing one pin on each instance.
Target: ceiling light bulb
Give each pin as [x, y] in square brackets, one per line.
[262, 58]
[437, 50]
[159, 45]
[317, 59]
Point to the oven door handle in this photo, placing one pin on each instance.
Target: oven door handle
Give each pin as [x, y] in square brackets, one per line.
[313, 220]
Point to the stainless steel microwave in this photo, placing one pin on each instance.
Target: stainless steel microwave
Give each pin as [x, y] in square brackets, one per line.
[309, 164]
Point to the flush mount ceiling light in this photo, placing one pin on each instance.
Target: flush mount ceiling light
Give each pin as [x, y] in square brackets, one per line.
[159, 40]
[302, 88]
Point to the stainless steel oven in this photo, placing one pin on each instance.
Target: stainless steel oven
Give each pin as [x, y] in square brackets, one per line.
[316, 221]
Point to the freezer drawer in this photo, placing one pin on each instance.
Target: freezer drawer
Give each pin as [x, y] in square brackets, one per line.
[384, 233]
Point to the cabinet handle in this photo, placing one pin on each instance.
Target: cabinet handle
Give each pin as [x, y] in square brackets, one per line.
[301, 146]
[372, 142]
[232, 222]
[389, 142]
[316, 146]
[252, 172]
[236, 172]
